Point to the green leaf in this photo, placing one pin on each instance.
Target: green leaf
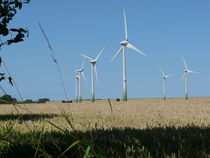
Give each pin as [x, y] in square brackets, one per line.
[14, 30]
[55, 125]
[3, 30]
[87, 152]
[39, 142]
[71, 146]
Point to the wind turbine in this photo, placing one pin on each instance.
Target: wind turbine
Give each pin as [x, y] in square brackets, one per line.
[185, 75]
[80, 75]
[125, 44]
[93, 71]
[164, 76]
[77, 87]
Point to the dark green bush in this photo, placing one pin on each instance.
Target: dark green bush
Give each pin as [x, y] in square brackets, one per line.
[7, 99]
[43, 100]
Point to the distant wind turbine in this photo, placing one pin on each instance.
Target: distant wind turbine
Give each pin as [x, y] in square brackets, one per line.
[185, 75]
[80, 75]
[93, 71]
[77, 87]
[164, 76]
[125, 44]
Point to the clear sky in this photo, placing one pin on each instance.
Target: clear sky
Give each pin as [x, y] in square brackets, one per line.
[165, 30]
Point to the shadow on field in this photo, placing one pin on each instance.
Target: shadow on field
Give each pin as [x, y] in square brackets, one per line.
[25, 117]
[155, 142]
[187, 142]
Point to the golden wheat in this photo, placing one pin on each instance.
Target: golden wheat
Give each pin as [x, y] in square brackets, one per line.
[135, 113]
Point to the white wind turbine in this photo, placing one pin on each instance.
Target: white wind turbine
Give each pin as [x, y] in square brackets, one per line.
[77, 87]
[125, 44]
[164, 76]
[93, 71]
[185, 75]
[80, 75]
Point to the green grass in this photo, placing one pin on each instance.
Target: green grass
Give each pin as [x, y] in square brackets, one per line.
[151, 142]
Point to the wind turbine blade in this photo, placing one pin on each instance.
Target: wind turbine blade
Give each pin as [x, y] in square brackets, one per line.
[194, 72]
[99, 54]
[184, 62]
[87, 57]
[167, 76]
[126, 29]
[134, 48]
[83, 75]
[96, 73]
[162, 72]
[76, 68]
[182, 77]
[83, 62]
[117, 54]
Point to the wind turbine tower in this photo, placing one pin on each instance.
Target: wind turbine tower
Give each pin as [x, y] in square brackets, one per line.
[123, 46]
[80, 75]
[164, 76]
[93, 71]
[77, 87]
[185, 76]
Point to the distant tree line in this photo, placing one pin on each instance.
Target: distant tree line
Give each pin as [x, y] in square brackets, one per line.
[8, 99]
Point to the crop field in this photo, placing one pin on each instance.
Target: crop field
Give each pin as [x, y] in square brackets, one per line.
[136, 113]
[136, 128]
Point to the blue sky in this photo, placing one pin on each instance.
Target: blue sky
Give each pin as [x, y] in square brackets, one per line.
[164, 30]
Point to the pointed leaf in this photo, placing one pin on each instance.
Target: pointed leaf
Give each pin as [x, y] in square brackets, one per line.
[71, 146]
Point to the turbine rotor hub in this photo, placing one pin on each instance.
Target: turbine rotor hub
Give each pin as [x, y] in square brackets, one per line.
[124, 43]
[92, 61]
[80, 70]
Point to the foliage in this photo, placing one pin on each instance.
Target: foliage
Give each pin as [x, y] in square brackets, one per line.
[9, 34]
[28, 101]
[7, 99]
[124, 143]
[68, 101]
[43, 100]
[8, 9]
[117, 99]
[40, 100]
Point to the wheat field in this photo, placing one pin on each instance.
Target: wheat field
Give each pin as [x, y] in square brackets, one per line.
[135, 113]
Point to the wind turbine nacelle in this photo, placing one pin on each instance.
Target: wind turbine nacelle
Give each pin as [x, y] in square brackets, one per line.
[79, 70]
[124, 43]
[93, 61]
